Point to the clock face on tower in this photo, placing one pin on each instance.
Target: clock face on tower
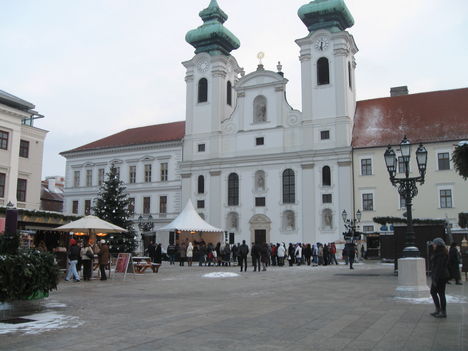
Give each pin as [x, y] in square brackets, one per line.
[321, 43]
[203, 66]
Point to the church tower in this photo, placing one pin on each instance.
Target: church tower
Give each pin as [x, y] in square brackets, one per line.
[210, 77]
[327, 65]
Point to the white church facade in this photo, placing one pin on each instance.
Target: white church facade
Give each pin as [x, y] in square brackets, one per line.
[250, 163]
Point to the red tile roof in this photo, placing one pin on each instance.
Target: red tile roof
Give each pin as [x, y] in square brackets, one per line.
[424, 117]
[136, 136]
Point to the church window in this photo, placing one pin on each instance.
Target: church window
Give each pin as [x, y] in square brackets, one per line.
[326, 176]
[201, 147]
[325, 135]
[260, 201]
[350, 76]
[259, 141]
[260, 109]
[201, 184]
[201, 204]
[233, 190]
[323, 71]
[229, 93]
[202, 90]
[289, 187]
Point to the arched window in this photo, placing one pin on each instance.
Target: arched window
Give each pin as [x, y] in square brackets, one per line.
[229, 93]
[233, 190]
[289, 187]
[326, 176]
[202, 90]
[350, 75]
[201, 184]
[260, 109]
[323, 71]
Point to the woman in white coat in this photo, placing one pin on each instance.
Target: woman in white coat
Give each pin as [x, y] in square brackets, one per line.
[189, 254]
[280, 253]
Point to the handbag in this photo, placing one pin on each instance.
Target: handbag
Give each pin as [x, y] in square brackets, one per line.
[89, 254]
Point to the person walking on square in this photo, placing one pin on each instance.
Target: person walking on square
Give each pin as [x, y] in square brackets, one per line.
[158, 254]
[104, 257]
[291, 251]
[439, 275]
[189, 254]
[73, 255]
[242, 256]
[152, 251]
[454, 264]
[264, 254]
[315, 255]
[274, 254]
[350, 250]
[280, 253]
[298, 254]
[255, 253]
[171, 251]
[182, 254]
[333, 254]
[87, 257]
[234, 251]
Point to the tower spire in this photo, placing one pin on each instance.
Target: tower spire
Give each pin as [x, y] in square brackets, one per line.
[326, 14]
[212, 37]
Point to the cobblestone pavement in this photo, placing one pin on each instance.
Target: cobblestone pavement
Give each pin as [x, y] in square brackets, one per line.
[285, 308]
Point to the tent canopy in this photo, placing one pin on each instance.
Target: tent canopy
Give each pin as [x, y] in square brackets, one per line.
[91, 224]
[190, 221]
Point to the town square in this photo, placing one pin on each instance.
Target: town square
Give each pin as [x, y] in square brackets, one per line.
[251, 175]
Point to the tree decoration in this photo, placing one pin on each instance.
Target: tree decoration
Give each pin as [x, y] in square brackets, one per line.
[112, 205]
[460, 158]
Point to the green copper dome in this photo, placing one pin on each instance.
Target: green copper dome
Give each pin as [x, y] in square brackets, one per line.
[326, 14]
[212, 37]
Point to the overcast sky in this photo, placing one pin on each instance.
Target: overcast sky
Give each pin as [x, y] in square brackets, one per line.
[96, 67]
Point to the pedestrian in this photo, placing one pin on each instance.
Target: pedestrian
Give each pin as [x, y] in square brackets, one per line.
[87, 257]
[274, 254]
[73, 255]
[315, 255]
[439, 275]
[264, 254]
[350, 249]
[234, 251]
[255, 253]
[454, 264]
[152, 251]
[227, 255]
[202, 254]
[182, 254]
[291, 251]
[326, 255]
[171, 251]
[242, 256]
[104, 257]
[281, 251]
[333, 253]
[189, 254]
[298, 254]
[320, 254]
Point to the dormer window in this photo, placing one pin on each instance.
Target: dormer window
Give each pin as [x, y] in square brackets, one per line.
[323, 71]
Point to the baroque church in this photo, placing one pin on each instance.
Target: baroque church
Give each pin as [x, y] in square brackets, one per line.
[257, 167]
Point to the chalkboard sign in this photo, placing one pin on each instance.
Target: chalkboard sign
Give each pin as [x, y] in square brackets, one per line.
[124, 264]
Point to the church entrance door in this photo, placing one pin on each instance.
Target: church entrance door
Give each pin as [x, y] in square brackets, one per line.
[260, 226]
[260, 236]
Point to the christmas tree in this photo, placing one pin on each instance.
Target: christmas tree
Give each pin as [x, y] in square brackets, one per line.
[112, 206]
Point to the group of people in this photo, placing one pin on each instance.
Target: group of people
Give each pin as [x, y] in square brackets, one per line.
[82, 253]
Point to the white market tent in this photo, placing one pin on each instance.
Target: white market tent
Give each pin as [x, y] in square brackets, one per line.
[190, 222]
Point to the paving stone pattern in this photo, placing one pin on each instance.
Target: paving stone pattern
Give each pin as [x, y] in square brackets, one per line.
[285, 308]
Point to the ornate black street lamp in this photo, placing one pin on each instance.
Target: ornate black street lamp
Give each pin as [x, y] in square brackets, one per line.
[407, 186]
[145, 225]
[351, 225]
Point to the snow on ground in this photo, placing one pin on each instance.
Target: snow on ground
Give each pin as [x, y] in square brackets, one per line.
[220, 275]
[43, 322]
[428, 300]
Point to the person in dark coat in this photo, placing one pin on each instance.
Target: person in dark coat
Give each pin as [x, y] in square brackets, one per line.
[439, 275]
[242, 255]
[454, 264]
[291, 251]
[152, 251]
[158, 254]
[234, 251]
[73, 256]
[104, 258]
[255, 253]
[307, 253]
[264, 256]
[350, 250]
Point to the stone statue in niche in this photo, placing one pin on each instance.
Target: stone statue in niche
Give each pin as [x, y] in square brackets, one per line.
[327, 218]
[260, 109]
[234, 221]
[260, 181]
[290, 225]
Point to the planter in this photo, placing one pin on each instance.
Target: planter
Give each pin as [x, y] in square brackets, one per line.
[38, 295]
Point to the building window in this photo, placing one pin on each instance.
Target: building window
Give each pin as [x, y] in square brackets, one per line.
[132, 174]
[100, 176]
[163, 204]
[24, 148]
[327, 198]
[324, 135]
[260, 109]
[89, 177]
[233, 190]
[443, 160]
[202, 90]
[368, 228]
[201, 184]
[147, 173]
[131, 205]
[3, 140]
[368, 202]
[366, 166]
[2, 184]
[350, 82]
[289, 187]
[201, 147]
[446, 198]
[401, 165]
[164, 172]
[260, 202]
[323, 71]
[259, 141]
[21, 190]
[146, 205]
[76, 179]
[229, 93]
[75, 206]
[326, 176]
[87, 207]
[201, 204]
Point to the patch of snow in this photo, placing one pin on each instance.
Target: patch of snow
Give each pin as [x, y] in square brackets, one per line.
[220, 275]
[43, 322]
[428, 300]
[55, 305]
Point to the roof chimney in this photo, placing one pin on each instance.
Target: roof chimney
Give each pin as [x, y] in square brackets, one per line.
[399, 91]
